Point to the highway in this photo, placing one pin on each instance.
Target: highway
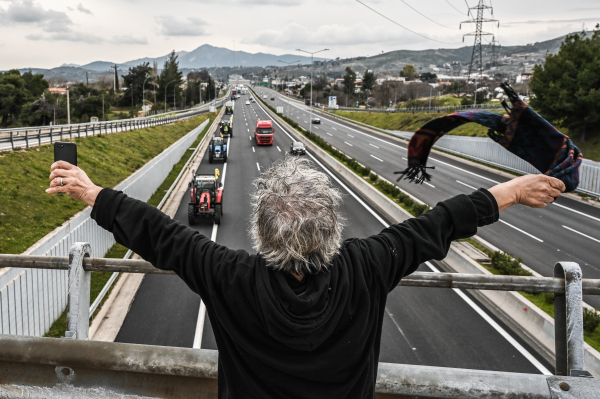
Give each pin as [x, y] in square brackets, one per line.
[568, 230]
[427, 326]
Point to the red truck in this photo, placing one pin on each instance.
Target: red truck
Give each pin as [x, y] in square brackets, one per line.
[263, 134]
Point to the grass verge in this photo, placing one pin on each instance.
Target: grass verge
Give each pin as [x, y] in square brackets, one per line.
[27, 213]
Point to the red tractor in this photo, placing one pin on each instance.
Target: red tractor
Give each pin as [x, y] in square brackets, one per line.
[207, 197]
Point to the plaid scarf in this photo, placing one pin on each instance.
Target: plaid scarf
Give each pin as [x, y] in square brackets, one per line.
[522, 132]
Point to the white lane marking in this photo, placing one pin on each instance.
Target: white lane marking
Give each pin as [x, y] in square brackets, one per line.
[258, 166]
[350, 135]
[573, 210]
[580, 233]
[248, 130]
[429, 184]
[496, 327]
[250, 138]
[401, 332]
[279, 149]
[333, 128]
[253, 149]
[465, 184]
[329, 134]
[315, 127]
[522, 231]
[199, 326]
[479, 311]
[373, 156]
[202, 311]
[373, 145]
[464, 170]
[348, 144]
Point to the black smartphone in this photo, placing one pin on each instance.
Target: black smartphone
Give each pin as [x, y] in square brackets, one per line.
[65, 151]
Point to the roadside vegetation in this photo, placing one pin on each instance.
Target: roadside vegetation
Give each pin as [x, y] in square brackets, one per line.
[27, 213]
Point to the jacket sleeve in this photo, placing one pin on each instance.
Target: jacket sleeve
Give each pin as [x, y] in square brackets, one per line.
[399, 250]
[160, 240]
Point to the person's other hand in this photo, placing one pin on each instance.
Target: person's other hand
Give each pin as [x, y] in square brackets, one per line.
[535, 191]
[69, 179]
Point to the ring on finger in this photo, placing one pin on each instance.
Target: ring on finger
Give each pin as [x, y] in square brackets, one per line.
[61, 181]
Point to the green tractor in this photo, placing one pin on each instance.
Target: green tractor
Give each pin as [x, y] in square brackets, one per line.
[226, 128]
[229, 110]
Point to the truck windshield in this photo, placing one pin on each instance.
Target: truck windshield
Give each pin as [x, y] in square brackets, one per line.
[268, 130]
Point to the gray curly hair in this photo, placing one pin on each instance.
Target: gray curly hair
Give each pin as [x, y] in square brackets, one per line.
[295, 224]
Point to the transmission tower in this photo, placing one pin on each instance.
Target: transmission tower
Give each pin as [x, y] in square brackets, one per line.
[493, 54]
[476, 65]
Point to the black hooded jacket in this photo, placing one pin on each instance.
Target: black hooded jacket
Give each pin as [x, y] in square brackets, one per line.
[272, 342]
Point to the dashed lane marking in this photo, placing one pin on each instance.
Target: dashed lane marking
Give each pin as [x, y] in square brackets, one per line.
[253, 149]
[329, 134]
[379, 159]
[373, 145]
[279, 149]
[348, 144]
[580, 233]
[350, 135]
[258, 166]
[522, 231]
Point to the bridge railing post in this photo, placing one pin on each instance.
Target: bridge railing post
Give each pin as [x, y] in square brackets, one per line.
[568, 322]
[79, 293]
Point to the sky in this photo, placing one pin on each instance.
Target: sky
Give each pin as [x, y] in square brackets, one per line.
[49, 33]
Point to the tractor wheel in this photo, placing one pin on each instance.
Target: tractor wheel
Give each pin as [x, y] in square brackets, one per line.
[231, 133]
[210, 157]
[225, 157]
[218, 213]
[191, 214]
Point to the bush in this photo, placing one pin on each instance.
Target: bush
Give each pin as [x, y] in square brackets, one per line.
[419, 209]
[591, 320]
[373, 177]
[508, 265]
[366, 171]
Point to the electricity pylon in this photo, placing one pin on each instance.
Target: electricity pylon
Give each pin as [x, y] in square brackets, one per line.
[476, 65]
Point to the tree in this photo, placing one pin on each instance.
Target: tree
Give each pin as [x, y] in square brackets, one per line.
[13, 95]
[428, 77]
[409, 72]
[170, 72]
[349, 81]
[133, 84]
[369, 79]
[35, 84]
[567, 84]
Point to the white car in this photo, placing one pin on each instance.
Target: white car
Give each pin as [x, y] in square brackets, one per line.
[247, 102]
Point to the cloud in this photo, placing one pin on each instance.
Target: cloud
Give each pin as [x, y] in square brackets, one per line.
[71, 36]
[294, 35]
[28, 12]
[129, 39]
[84, 10]
[190, 26]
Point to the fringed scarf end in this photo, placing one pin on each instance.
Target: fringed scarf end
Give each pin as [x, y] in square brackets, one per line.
[415, 174]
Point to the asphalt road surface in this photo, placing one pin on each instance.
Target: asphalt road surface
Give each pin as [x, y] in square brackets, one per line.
[425, 326]
[568, 230]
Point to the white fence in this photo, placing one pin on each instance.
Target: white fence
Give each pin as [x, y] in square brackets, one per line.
[486, 150]
[32, 299]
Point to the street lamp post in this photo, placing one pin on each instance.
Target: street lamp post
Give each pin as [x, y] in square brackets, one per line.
[174, 93]
[144, 94]
[475, 94]
[166, 94]
[430, 94]
[68, 108]
[311, 80]
[288, 96]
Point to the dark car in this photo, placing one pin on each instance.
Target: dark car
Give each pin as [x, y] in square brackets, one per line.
[297, 148]
[272, 98]
[316, 121]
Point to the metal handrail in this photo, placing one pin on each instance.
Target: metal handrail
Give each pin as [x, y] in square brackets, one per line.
[28, 136]
[418, 279]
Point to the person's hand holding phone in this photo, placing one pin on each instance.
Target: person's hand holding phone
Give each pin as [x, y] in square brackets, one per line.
[69, 179]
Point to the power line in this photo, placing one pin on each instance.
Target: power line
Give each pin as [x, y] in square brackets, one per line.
[403, 27]
[461, 13]
[425, 16]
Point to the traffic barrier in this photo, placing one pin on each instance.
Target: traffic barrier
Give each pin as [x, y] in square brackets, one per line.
[77, 367]
[30, 300]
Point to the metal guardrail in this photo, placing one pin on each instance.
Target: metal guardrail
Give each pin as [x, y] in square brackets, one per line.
[446, 109]
[74, 364]
[38, 135]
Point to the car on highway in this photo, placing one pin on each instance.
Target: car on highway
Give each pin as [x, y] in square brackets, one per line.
[265, 96]
[316, 121]
[297, 148]
[247, 102]
[272, 98]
